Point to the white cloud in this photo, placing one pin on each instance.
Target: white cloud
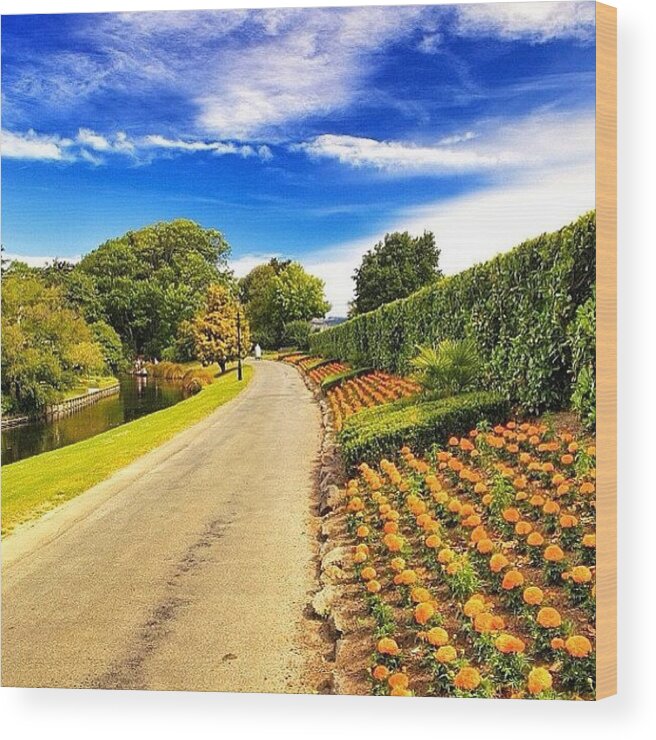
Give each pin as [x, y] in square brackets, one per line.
[537, 22]
[538, 140]
[88, 145]
[31, 145]
[37, 260]
[470, 228]
[310, 63]
[241, 266]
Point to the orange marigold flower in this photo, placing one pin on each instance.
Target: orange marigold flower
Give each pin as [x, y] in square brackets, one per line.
[480, 488]
[567, 521]
[498, 562]
[581, 574]
[380, 672]
[368, 573]
[485, 546]
[373, 586]
[400, 692]
[512, 579]
[475, 605]
[578, 646]
[398, 681]
[424, 612]
[453, 442]
[454, 506]
[553, 554]
[433, 541]
[420, 594]
[362, 531]
[387, 646]
[487, 499]
[391, 528]
[406, 578]
[549, 617]
[511, 515]
[557, 643]
[589, 540]
[445, 556]
[535, 539]
[551, 507]
[587, 488]
[523, 528]
[478, 533]
[360, 557]
[467, 679]
[533, 595]
[483, 622]
[393, 542]
[506, 643]
[567, 459]
[536, 500]
[397, 564]
[437, 636]
[539, 680]
[445, 654]
[471, 521]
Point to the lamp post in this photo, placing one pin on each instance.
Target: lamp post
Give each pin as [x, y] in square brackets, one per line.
[239, 372]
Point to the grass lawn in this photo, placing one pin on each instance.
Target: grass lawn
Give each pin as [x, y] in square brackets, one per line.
[97, 381]
[33, 486]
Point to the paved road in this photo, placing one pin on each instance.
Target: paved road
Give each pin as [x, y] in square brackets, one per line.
[189, 569]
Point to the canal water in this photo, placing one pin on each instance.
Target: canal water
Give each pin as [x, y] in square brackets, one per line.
[137, 397]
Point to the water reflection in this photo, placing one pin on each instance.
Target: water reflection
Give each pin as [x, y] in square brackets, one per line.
[138, 396]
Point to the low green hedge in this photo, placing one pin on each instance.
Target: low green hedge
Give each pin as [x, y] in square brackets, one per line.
[381, 431]
[338, 378]
[319, 363]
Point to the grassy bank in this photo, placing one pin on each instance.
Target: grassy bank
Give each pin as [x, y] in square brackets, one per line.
[33, 486]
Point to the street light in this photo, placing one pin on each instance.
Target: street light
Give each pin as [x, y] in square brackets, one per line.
[239, 372]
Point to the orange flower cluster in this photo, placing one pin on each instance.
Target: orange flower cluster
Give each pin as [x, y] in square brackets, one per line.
[489, 546]
[324, 371]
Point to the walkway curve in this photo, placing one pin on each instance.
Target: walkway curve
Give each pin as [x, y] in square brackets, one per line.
[187, 570]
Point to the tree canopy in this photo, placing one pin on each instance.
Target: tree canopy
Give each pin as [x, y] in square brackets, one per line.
[147, 282]
[396, 267]
[278, 293]
[46, 344]
[214, 328]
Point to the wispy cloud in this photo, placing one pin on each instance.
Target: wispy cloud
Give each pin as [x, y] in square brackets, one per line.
[87, 145]
[537, 140]
[537, 22]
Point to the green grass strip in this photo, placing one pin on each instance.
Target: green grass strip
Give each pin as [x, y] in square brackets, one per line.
[33, 486]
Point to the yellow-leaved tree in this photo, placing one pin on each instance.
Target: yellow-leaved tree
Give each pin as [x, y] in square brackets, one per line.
[214, 328]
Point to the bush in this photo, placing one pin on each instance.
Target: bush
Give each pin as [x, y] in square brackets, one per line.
[381, 431]
[583, 334]
[452, 367]
[518, 308]
[297, 334]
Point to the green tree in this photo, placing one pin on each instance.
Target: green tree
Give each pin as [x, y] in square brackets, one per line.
[149, 281]
[110, 345]
[297, 334]
[46, 345]
[396, 267]
[215, 329]
[278, 293]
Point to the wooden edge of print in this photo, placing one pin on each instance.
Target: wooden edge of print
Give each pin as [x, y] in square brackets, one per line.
[606, 204]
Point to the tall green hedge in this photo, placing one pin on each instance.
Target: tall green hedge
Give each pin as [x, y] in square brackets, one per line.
[583, 335]
[519, 308]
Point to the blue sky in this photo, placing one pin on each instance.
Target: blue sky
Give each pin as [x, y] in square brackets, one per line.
[303, 133]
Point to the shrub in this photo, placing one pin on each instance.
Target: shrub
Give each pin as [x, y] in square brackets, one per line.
[451, 367]
[382, 431]
[297, 333]
[584, 364]
[518, 308]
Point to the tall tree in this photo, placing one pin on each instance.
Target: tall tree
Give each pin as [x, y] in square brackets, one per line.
[278, 293]
[215, 329]
[149, 281]
[395, 268]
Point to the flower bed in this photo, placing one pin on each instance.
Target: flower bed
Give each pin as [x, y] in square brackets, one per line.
[477, 565]
[365, 391]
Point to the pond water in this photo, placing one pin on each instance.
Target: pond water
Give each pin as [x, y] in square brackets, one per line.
[137, 397]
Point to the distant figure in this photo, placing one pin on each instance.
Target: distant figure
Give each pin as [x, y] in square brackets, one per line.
[258, 352]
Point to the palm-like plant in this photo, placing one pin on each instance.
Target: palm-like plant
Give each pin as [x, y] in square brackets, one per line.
[451, 367]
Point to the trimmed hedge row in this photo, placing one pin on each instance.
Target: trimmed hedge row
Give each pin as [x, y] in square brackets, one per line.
[519, 308]
[381, 431]
[584, 362]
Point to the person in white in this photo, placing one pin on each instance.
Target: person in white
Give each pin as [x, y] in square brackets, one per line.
[258, 352]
